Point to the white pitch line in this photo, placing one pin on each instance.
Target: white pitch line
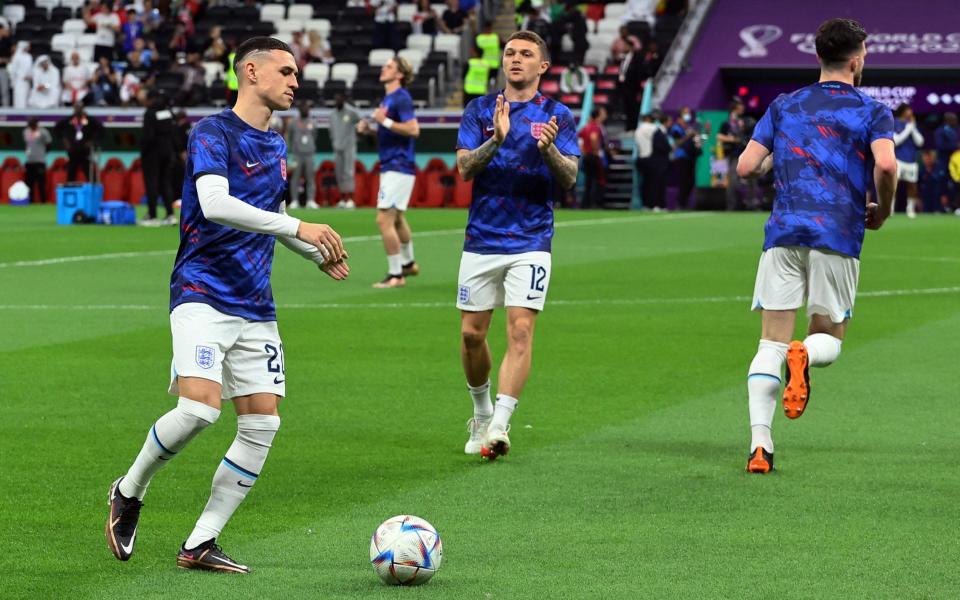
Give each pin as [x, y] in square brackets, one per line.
[450, 304]
[359, 238]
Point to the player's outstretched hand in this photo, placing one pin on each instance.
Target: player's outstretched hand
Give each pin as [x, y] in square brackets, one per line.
[326, 240]
[337, 271]
[501, 120]
[548, 134]
[874, 218]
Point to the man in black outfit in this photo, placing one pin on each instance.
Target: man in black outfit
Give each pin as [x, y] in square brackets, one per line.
[158, 155]
[656, 166]
[80, 133]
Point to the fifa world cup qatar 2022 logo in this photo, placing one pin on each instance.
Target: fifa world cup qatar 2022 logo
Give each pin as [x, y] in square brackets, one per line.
[756, 38]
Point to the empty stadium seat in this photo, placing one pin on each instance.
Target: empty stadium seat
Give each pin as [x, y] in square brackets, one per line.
[113, 177]
[56, 175]
[11, 171]
[608, 26]
[614, 10]
[405, 12]
[373, 187]
[414, 56]
[449, 43]
[300, 12]
[75, 5]
[321, 26]
[75, 26]
[63, 42]
[318, 72]
[272, 12]
[345, 72]
[288, 26]
[135, 186]
[212, 72]
[14, 13]
[549, 87]
[462, 191]
[359, 183]
[597, 56]
[420, 41]
[379, 57]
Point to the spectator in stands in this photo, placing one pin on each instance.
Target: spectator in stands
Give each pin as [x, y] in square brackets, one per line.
[301, 147]
[640, 10]
[537, 20]
[592, 140]
[319, 50]
[178, 41]
[147, 51]
[80, 133]
[37, 140]
[6, 51]
[489, 43]
[476, 78]
[158, 158]
[150, 17]
[687, 144]
[299, 48]
[574, 79]
[45, 90]
[629, 80]
[454, 18]
[932, 183]
[425, 19]
[132, 29]
[217, 52]
[625, 43]
[104, 83]
[76, 79]
[193, 89]
[343, 139]
[946, 140]
[21, 73]
[107, 24]
[572, 23]
[136, 77]
[731, 136]
[384, 23]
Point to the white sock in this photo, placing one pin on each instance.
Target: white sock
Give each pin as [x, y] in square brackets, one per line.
[502, 411]
[406, 251]
[394, 264]
[822, 349]
[482, 406]
[166, 437]
[237, 473]
[763, 385]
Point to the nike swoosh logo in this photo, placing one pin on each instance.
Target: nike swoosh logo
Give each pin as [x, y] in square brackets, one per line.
[277, 380]
[242, 484]
[529, 297]
[252, 165]
[129, 547]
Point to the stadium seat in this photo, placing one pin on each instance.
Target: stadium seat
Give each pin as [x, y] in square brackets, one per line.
[597, 56]
[439, 8]
[135, 187]
[414, 56]
[549, 87]
[288, 26]
[59, 14]
[113, 177]
[609, 26]
[11, 171]
[325, 178]
[366, 91]
[420, 41]
[75, 26]
[345, 72]
[606, 83]
[405, 12]
[449, 43]
[614, 10]
[601, 99]
[213, 71]
[318, 72]
[14, 13]
[321, 26]
[373, 186]
[56, 175]
[379, 57]
[359, 183]
[594, 12]
[284, 36]
[300, 12]
[63, 43]
[462, 191]
[74, 5]
[272, 12]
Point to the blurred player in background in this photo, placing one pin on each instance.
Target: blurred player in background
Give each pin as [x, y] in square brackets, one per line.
[517, 146]
[396, 129]
[908, 140]
[824, 142]
[225, 339]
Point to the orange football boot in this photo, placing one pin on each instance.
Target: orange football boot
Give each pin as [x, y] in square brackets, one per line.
[796, 394]
[760, 461]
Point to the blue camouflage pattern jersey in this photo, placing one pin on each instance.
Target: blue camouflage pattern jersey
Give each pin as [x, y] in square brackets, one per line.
[217, 265]
[820, 137]
[396, 151]
[906, 151]
[512, 207]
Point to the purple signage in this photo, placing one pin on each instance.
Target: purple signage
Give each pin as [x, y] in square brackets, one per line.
[766, 34]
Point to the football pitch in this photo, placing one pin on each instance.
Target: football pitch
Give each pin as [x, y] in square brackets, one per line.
[626, 478]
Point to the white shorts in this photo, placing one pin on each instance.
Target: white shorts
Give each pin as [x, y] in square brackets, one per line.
[245, 357]
[395, 190]
[489, 281]
[907, 171]
[790, 277]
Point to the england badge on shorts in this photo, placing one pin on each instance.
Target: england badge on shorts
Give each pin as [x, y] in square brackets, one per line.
[205, 356]
[536, 129]
[283, 168]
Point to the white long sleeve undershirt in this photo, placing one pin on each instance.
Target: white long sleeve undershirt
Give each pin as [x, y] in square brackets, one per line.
[220, 207]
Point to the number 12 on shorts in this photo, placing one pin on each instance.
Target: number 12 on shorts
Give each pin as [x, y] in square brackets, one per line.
[537, 274]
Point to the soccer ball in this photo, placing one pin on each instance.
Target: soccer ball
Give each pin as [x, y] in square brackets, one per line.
[405, 550]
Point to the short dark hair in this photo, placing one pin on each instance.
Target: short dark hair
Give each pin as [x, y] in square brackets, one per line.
[529, 36]
[838, 40]
[258, 44]
[902, 108]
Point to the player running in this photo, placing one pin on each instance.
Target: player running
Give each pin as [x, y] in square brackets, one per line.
[908, 140]
[396, 130]
[826, 140]
[225, 339]
[516, 145]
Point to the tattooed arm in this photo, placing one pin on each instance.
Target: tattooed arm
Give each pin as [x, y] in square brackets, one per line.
[471, 162]
[564, 168]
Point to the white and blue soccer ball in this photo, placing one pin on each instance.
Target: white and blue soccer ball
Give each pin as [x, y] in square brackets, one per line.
[406, 550]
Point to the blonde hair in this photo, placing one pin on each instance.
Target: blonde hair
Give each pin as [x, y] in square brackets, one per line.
[406, 70]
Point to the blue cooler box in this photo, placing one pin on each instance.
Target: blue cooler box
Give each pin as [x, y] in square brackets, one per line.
[75, 197]
[116, 212]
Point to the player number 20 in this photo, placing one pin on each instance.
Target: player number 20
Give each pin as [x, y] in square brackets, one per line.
[537, 275]
[275, 360]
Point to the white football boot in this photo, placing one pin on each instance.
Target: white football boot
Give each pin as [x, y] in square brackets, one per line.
[495, 442]
[476, 427]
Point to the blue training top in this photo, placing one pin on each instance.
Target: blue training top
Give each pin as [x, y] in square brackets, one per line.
[820, 136]
[217, 265]
[396, 151]
[512, 207]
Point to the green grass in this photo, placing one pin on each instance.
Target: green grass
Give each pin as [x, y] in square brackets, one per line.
[626, 479]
